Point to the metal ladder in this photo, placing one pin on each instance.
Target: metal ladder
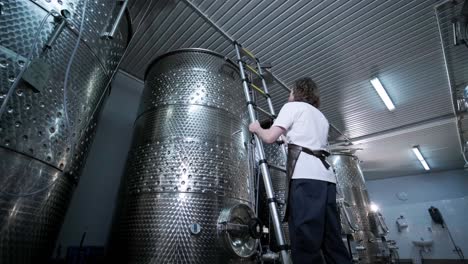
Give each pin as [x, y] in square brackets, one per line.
[252, 108]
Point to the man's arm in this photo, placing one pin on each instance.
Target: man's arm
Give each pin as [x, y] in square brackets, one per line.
[267, 135]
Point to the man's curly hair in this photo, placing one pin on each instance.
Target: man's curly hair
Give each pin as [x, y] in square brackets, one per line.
[305, 90]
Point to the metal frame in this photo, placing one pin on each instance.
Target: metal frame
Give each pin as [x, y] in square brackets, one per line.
[461, 139]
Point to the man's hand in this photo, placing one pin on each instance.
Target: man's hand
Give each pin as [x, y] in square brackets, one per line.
[254, 127]
[267, 135]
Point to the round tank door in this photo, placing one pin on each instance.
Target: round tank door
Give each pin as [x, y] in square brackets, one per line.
[238, 230]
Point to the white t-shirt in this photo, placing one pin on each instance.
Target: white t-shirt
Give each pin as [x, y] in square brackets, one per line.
[307, 127]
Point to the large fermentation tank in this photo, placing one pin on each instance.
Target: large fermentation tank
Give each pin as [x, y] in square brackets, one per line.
[365, 228]
[46, 126]
[186, 196]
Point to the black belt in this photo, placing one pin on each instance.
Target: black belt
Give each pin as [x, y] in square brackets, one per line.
[320, 154]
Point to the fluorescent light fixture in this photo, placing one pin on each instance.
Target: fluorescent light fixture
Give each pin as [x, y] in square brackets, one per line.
[382, 93]
[420, 157]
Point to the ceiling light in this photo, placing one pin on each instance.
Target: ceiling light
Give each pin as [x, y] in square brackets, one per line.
[420, 158]
[374, 208]
[382, 93]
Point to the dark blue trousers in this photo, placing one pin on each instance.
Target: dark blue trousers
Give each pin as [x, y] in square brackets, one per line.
[314, 223]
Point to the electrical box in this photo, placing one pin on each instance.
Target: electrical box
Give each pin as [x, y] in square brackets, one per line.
[402, 223]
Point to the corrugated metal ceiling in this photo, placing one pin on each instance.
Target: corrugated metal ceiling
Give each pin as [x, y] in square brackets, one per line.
[438, 153]
[341, 44]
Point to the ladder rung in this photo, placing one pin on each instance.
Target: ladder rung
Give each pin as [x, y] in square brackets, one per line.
[248, 53]
[264, 111]
[258, 89]
[250, 68]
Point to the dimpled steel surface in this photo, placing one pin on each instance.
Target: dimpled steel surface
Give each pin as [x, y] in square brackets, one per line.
[37, 169]
[30, 224]
[351, 186]
[275, 156]
[188, 161]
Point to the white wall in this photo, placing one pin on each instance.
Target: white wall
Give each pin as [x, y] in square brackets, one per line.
[447, 191]
[93, 202]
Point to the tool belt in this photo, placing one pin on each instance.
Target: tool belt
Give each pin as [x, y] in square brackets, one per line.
[320, 154]
[293, 155]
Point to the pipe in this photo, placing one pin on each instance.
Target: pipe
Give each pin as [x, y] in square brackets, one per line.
[424, 124]
[347, 139]
[65, 82]
[449, 80]
[211, 22]
[111, 33]
[281, 83]
[443, 3]
[56, 33]
[26, 65]
[121, 59]
[454, 32]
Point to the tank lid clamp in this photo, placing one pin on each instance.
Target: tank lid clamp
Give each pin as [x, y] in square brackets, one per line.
[232, 227]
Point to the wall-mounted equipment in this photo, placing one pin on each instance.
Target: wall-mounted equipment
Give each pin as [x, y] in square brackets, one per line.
[402, 223]
[437, 217]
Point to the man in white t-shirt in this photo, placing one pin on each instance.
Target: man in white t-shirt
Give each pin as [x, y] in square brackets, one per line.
[312, 214]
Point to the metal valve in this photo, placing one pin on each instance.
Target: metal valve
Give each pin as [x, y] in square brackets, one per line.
[62, 22]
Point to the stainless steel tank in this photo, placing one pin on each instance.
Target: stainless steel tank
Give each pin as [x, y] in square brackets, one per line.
[43, 140]
[277, 159]
[186, 197]
[365, 228]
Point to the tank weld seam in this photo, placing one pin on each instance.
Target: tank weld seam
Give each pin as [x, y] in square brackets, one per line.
[196, 193]
[154, 109]
[30, 157]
